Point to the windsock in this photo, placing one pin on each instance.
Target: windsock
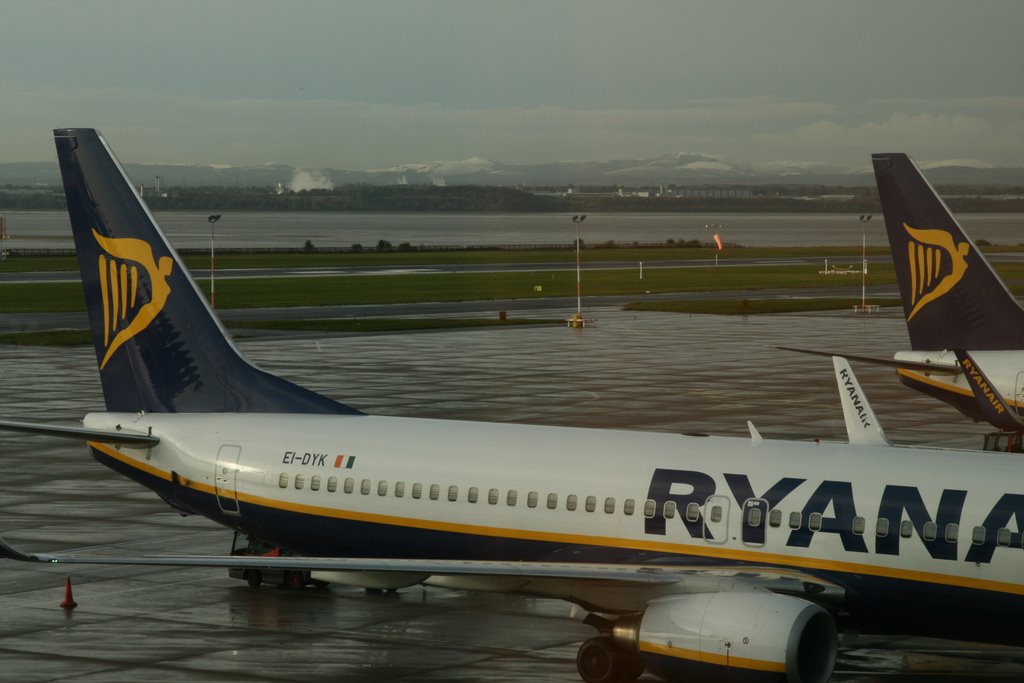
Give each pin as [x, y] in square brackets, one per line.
[718, 241]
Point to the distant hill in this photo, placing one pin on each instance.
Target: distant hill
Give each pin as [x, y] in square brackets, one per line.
[673, 169]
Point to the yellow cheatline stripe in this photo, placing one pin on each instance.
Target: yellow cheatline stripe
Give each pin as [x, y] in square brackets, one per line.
[712, 658]
[705, 551]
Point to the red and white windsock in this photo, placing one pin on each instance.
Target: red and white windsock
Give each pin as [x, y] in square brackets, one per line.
[718, 241]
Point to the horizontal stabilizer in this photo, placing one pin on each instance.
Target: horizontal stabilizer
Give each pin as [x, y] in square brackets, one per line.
[81, 434]
[861, 422]
[934, 368]
[991, 402]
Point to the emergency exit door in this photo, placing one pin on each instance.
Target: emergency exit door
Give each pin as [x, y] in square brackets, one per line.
[226, 479]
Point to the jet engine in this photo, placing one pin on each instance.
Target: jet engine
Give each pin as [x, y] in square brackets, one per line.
[750, 636]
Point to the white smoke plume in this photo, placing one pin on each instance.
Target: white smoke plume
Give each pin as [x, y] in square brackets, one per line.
[309, 180]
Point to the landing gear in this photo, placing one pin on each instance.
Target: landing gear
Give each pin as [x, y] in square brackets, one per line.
[254, 577]
[600, 660]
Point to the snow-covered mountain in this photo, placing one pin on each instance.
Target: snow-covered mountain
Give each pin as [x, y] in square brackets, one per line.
[682, 168]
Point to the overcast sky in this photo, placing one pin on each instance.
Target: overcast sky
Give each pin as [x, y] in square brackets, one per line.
[360, 85]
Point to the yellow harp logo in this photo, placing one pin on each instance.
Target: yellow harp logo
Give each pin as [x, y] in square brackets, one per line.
[124, 312]
[936, 265]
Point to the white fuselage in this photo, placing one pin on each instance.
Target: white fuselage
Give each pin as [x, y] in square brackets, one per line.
[950, 518]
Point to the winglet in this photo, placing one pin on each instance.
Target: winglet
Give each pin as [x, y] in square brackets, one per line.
[861, 422]
[989, 399]
[755, 436]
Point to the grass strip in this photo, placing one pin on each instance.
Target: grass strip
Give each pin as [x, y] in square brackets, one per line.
[47, 338]
[433, 287]
[387, 324]
[753, 306]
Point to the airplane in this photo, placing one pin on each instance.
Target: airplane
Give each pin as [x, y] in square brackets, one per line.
[952, 297]
[693, 557]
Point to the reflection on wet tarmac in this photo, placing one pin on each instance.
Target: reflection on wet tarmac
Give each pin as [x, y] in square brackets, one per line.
[647, 371]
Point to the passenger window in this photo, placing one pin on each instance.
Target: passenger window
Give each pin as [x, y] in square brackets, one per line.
[590, 504]
[382, 488]
[282, 481]
[952, 532]
[692, 512]
[417, 490]
[609, 506]
[531, 499]
[350, 485]
[716, 513]
[795, 518]
[754, 517]
[492, 497]
[882, 527]
[930, 531]
[814, 521]
[435, 491]
[332, 484]
[300, 480]
[453, 493]
[649, 508]
[399, 489]
[858, 525]
[978, 535]
[511, 497]
[670, 509]
[570, 502]
[1003, 537]
[906, 528]
[473, 495]
[364, 487]
[314, 483]
[775, 518]
[552, 501]
[628, 506]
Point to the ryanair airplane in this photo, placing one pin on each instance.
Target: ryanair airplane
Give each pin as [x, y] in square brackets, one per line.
[952, 300]
[693, 557]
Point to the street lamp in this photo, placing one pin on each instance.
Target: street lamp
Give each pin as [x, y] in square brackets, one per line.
[213, 232]
[864, 218]
[577, 220]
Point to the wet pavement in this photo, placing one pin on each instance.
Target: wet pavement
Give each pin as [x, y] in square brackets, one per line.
[647, 371]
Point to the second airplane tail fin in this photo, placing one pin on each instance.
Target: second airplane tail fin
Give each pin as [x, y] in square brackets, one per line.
[158, 345]
[952, 298]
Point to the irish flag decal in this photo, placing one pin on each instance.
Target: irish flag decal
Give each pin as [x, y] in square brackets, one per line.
[345, 461]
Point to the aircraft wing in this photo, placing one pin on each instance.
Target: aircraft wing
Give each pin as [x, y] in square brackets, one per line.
[934, 368]
[689, 578]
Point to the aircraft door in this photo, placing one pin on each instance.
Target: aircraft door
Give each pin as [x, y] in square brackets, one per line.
[226, 479]
[755, 521]
[716, 519]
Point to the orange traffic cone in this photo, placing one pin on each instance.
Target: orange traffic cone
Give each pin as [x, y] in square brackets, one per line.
[69, 600]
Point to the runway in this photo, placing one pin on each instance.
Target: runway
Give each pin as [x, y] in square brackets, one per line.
[645, 371]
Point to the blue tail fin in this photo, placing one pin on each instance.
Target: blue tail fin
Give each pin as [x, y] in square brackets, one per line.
[952, 298]
[159, 346]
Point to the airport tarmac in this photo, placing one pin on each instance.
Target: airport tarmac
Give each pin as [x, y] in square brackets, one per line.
[646, 371]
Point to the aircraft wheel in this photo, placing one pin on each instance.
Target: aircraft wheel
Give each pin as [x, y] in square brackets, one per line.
[599, 661]
[254, 577]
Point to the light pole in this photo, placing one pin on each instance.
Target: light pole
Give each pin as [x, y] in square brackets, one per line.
[577, 220]
[213, 233]
[864, 218]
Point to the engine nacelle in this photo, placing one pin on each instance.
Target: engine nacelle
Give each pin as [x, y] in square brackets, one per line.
[756, 636]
